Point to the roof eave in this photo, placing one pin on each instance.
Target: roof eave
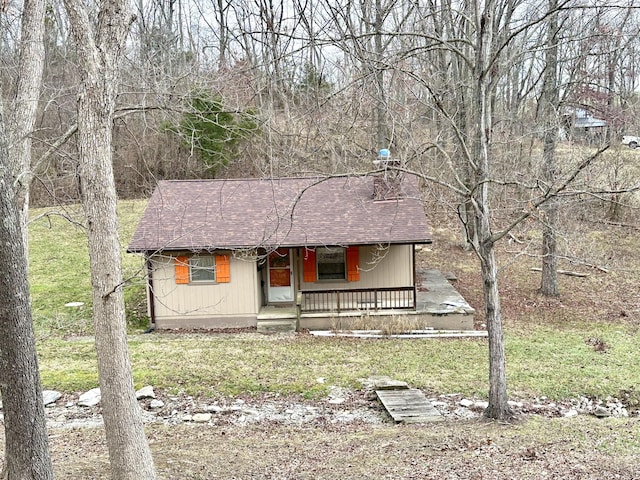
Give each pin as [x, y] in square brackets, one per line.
[147, 251]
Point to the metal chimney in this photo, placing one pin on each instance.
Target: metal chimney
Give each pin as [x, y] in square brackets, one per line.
[387, 184]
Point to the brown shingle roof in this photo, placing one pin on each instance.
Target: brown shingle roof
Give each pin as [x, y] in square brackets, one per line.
[247, 213]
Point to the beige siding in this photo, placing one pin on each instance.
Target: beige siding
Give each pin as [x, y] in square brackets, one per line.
[388, 267]
[237, 299]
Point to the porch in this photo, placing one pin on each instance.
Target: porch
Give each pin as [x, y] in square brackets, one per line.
[358, 299]
[432, 303]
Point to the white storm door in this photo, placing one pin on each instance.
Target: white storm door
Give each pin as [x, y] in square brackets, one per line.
[280, 276]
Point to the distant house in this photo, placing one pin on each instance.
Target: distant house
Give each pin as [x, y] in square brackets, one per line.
[582, 124]
[240, 253]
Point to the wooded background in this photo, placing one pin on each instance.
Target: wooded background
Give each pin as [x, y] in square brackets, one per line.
[243, 88]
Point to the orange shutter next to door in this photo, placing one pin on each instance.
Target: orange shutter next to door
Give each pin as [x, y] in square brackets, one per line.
[309, 265]
[223, 269]
[353, 259]
[182, 269]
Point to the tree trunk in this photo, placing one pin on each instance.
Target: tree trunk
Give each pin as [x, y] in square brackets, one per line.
[380, 114]
[549, 279]
[26, 448]
[465, 122]
[498, 407]
[99, 55]
[223, 41]
[550, 104]
[23, 110]
[128, 449]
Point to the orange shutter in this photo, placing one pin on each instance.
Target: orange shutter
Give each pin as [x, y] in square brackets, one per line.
[309, 265]
[353, 259]
[223, 269]
[182, 269]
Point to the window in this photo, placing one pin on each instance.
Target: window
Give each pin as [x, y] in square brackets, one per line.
[202, 268]
[331, 263]
[336, 263]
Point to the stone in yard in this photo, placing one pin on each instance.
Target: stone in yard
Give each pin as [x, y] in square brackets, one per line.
[74, 304]
[601, 412]
[50, 396]
[145, 392]
[569, 413]
[337, 395]
[463, 413]
[213, 409]
[201, 417]
[466, 403]
[481, 405]
[90, 398]
[155, 404]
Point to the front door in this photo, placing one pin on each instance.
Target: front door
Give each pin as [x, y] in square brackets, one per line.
[280, 276]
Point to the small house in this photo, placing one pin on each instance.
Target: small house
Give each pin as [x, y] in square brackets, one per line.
[250, 252]
[581, 124]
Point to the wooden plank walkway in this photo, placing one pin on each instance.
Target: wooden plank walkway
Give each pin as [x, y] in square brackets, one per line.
[408, 405]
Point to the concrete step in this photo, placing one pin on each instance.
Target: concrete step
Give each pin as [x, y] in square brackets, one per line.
[276, 326]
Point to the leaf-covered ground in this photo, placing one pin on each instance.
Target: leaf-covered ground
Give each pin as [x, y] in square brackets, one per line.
[559, 448]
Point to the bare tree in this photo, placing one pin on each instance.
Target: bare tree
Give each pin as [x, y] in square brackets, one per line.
[99, 56]
[549, 110]
[480, 44]
[368, 32]
[487, 23]
[26, 448]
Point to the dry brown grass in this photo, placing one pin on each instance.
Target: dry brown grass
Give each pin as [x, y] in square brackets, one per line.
[608, 254]
[579, 448]
[394, 325]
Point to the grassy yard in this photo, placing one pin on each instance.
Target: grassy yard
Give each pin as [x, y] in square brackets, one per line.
[541, 362]
[59, 269]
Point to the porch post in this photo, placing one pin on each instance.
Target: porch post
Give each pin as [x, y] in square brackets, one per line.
[298, 310]
[150, 296]
[415, 276]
